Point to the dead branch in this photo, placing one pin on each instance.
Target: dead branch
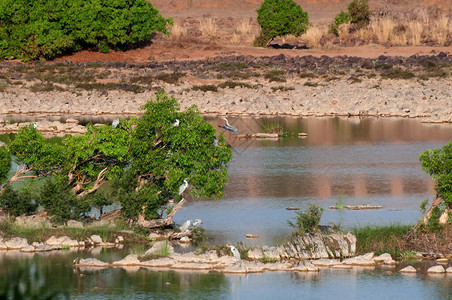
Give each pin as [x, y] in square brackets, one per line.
[97, 184]
[160, 222]
[17, 176]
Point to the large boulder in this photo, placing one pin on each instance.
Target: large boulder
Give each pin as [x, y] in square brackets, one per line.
[16, 243]
[319, 245]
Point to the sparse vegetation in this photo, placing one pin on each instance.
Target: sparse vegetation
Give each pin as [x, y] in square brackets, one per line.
[307, 221]
[205, 88]
[275, 75]
[234, 84]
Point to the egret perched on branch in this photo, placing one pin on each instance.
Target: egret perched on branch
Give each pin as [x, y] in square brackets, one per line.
[185, 226]
[229, 127]
[115, 123]
[183, 187]
[176, 123]
[235, 252]
[215, 141]
[35, 125]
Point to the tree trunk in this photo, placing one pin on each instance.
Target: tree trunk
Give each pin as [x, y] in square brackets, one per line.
[160, 222]
[428, 213]
[17, 177]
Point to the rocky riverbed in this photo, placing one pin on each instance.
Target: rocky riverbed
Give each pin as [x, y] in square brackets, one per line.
[246, 86]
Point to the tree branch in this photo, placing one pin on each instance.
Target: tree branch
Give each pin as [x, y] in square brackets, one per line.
[16, 177]
[161, 222]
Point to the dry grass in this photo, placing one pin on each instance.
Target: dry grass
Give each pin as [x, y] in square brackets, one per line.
[312, 37]
[178, 32]
[416, 28]
[290, 39]
[235, 39]
[244, 27]
[440, 29]
[383, 29]
[365, 34]
[344, 32]
[209, 28]
[399, 39]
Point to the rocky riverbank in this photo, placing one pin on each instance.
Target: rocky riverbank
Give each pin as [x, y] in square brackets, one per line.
[302, 86]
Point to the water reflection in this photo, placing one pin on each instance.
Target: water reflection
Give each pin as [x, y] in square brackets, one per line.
[357, 160]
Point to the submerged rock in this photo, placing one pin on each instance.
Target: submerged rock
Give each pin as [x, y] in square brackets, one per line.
[129, 260]
[408, 269]
[91, 262]
[436, 270]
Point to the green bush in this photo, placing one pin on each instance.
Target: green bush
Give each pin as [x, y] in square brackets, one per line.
[307, 221]
[59, 202]
[280, 18]
[5, 163]
[359, 12]
[341, 18]
[19, 202]
[44, 29]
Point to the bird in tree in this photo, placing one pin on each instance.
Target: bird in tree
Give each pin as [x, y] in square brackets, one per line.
[115, 123]
[176, 123]
[183, 187]
[229, 127]
[185, 226]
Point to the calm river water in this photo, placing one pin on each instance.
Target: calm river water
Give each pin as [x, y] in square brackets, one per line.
[367, 161]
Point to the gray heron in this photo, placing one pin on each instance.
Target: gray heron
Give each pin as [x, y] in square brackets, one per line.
[235, 252]
[215, 141]
[197, 222]
[115, 123]
[229, 127]
[183, 187]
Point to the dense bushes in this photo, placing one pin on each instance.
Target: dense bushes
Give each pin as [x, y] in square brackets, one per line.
[280, 18]
[43, 29]
[358, 13]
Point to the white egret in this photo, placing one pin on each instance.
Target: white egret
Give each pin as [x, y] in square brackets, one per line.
[183, 186]
[215, 141]
[176, 123]
[235, 252]
[229, 127]
[35, 125]
[115, 123]
[185, 226]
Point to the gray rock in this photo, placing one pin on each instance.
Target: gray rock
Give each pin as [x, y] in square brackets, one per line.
[436, 270]
[28, 249]
[449, 270]
[119, 240]
[44, 248]
[91, 262]
[74, 224]
[255, 253]
[408, 269]
[129, 260]
[16, 243]
[315, 246]
[96, 239]
[160, 248]
[382, 257]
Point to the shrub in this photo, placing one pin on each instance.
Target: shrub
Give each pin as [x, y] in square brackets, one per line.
[341, 18]
[280, 18]
[308, 221]
[359, 12]
[19, 202]
[59, 202]
[5, 163]
[45, 29]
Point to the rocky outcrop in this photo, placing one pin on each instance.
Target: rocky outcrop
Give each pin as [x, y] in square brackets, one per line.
[318, 245]
[408, 269]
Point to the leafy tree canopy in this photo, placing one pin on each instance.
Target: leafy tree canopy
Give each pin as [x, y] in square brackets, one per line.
[280, 18]
[44, 29]
[145, 159]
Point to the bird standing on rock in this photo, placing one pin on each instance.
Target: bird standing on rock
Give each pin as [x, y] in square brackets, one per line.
[235, 252]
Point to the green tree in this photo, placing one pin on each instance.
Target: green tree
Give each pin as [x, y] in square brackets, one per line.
[358, 13]
[44, 29]
[163, 155]
[5, 164]
[280, 18]
[438, 164]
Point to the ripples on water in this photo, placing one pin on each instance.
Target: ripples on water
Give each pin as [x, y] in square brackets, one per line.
[359, 161]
